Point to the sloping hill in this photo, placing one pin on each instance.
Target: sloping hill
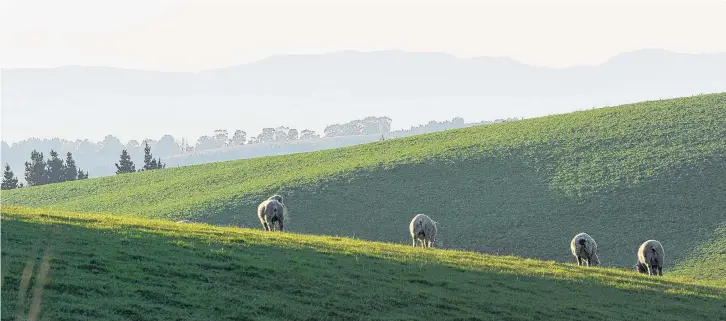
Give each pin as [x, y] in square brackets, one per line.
[123, 268]
[707, 261]
[623, 174]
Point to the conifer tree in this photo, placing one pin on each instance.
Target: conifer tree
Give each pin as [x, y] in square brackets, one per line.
[54, 168]
[35, 172]
[148, 158]
[9, 179]
[159, 164]
[81, 175]
[125, 164]
[70, 172]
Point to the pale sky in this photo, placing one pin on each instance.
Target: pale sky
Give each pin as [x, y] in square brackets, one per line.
[192, 35]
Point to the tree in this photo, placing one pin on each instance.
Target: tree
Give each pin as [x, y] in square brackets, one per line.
[184, 146]
[385, 124]
[239, 138]
[126, 165]
[205, 142]
[54, 168]
[109, 146]
[70, 172]
[9, 179]
[35, 173]
[267, 135]
[167, 146]
[148, 158]
[308, 134]
[333, 130]
[149, 161]
[81, 175]
[292, 134]
[132, 144]
[159, 164]
[221, 137]
[281, 134]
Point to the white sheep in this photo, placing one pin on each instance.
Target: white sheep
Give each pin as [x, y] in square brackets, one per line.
[184, 221]
[650, 258]
[423, 228]
[584, 249]
[270, 211]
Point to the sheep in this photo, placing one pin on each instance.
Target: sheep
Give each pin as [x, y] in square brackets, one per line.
[423, 228]
[650, 258]
[270, 211]
[184, 221]
[584, 249]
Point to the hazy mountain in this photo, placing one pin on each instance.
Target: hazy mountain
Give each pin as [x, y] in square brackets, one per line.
[313, 91]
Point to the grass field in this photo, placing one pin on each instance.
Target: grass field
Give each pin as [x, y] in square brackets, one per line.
[102, 267]
[622, 174]
[708, 261]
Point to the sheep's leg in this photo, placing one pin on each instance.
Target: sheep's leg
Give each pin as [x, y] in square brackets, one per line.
[265, 226]
[660, 270]
[281, 229]
[414, 241]
[579, 260]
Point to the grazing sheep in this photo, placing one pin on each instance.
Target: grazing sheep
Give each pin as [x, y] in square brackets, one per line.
[271, 211]
[184, 221]
[650, 258]
[584, 249]
[423, 228]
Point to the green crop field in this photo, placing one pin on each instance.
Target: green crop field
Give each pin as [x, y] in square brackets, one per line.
[107, 267]
[624, 174]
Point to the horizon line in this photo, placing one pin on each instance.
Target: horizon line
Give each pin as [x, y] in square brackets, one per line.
[344, 51]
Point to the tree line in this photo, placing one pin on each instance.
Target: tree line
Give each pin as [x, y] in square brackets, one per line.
[106, 150]
[100, 157]
[39, 171]
[126, 165]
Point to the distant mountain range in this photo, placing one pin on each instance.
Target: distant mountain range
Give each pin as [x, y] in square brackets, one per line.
[411, 88]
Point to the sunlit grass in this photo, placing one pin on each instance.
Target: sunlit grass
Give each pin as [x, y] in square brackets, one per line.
[652, 170]
[124, 267]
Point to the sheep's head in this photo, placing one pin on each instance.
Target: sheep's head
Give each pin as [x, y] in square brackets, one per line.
[641, 268]
[595, 260]
[276, 197]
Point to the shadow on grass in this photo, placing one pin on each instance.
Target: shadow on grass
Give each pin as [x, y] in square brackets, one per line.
[131, 274]
[508, 205]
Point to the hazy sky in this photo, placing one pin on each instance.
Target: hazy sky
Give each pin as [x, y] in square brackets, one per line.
[186, 35]
[192, 35]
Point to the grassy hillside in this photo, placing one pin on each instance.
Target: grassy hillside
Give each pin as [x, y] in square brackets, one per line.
[623, 174]
[125, 268]
[708, 261]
